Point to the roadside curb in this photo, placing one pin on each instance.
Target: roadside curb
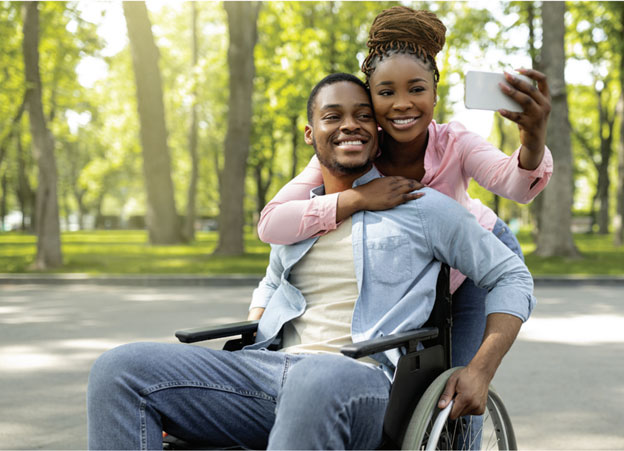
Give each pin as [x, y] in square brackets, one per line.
[148, 280]
[579, 280]
[226, 280]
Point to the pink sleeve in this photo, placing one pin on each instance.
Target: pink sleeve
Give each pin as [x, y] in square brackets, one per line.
[500, 173]
[291, 216]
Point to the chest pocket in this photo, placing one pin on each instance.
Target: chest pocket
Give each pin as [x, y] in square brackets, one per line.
[389, 259]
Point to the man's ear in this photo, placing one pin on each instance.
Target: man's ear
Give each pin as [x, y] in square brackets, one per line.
[307, 134]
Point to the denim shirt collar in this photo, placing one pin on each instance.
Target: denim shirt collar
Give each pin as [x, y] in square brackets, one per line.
[372, 174]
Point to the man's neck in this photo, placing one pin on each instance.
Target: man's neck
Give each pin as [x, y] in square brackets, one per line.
[336, 183]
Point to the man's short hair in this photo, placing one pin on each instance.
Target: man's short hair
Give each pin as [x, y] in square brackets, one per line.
[330, 80]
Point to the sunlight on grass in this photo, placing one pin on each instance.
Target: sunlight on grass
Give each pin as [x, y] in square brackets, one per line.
[129, 252]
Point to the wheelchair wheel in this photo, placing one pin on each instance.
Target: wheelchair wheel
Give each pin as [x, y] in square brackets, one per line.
[494, 432]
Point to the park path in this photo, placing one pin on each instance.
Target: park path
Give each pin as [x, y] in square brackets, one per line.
[562, 381]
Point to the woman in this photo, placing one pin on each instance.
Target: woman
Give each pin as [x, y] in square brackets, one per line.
[402, 75]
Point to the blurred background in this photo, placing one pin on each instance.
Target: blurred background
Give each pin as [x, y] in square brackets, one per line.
[146, 137]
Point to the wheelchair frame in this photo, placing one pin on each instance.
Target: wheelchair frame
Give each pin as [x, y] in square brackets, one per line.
[420, 375]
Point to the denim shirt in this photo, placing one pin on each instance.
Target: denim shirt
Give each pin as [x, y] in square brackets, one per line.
[397, 255]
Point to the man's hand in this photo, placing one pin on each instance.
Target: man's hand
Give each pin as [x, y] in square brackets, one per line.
[255, 313]
[469, 388]
[380, 194]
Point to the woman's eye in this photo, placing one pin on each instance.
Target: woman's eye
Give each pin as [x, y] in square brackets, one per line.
[385, 93]
[418, 89]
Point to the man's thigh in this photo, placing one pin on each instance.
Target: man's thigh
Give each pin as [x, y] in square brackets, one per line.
[331, 402]
[203, 395]
[221, 397]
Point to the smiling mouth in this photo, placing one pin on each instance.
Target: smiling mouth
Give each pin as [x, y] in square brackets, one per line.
[351, 143]
[403, 121]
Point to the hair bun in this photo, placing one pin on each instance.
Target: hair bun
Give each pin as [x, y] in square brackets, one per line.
[420, 28]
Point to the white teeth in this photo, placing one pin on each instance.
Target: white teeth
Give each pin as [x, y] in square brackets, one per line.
[350, 143]
[402, 121]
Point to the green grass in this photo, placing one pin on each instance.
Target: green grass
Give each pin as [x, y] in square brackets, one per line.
[599, 257]
[128, 252]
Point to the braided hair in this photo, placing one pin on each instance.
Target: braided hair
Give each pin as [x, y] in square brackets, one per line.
[400, 30]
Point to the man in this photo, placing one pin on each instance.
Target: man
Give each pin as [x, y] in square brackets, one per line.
[372, 276]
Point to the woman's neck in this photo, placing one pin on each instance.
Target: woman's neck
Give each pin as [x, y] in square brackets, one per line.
[406, 159]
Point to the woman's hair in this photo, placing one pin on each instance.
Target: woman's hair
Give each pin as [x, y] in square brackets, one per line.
[404, 30]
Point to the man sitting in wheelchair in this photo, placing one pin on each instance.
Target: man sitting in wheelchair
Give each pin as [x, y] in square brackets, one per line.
[373, 276]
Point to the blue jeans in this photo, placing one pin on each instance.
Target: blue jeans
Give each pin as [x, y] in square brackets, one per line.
[251, 398]
[469, 313]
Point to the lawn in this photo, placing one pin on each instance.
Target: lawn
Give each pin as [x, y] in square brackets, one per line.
[127, 252]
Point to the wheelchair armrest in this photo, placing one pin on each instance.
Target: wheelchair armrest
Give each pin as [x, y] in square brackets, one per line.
[244, 328]
[376, 345]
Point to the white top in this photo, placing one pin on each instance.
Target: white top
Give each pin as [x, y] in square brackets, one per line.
[326, 278]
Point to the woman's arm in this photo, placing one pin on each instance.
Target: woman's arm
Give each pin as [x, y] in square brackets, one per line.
[292, 216]
[523, 175]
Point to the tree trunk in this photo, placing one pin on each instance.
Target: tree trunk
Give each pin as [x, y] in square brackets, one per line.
[162, 219]
[618, 236]
[501, 145]
[295, 139]
[242, 24]
[606, 121]
[47, 213]
[25, 194]
[3, 200]
[189, 222]
[555, 234]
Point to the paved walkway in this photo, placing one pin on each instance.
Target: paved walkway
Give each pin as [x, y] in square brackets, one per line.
[562, 380]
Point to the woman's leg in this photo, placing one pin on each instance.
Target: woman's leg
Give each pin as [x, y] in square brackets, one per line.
[469, 306]
[469, 312]
[197, 394]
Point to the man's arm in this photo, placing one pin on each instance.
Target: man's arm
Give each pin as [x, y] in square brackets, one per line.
[469, 385]
[267, 286]
[255, 313]
[457, 239]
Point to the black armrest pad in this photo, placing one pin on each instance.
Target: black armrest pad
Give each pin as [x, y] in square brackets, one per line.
[368, 347]
[212, 332]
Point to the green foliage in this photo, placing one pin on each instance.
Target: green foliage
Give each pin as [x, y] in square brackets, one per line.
[99, 158]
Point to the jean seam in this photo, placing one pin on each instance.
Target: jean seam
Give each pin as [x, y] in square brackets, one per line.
[143, 420]
[286, 367]
[192, 384]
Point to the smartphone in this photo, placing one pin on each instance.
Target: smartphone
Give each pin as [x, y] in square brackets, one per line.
[483, 92]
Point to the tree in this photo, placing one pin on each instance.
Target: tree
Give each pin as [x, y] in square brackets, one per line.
[555, 234]
[618, 237]
[189, 222]
[242, 23]
[162, 219]
[47, 227]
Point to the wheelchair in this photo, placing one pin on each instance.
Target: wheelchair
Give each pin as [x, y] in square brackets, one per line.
[412, 420]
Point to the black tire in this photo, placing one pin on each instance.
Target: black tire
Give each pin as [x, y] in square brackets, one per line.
[496, 431]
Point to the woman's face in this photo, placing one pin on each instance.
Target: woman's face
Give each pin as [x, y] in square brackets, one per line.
[403, 94]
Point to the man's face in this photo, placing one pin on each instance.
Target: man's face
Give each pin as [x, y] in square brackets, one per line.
[343, 130]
